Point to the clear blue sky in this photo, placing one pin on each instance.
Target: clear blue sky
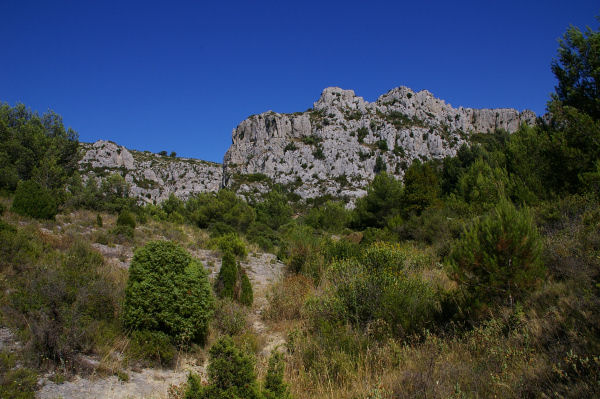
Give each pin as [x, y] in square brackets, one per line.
[179, 76]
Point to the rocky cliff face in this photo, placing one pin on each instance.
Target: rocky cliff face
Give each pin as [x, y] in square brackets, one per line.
[334, 148]
[337, 147]
[151, 177]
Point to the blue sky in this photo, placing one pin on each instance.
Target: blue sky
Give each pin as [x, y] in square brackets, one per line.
[179, 76]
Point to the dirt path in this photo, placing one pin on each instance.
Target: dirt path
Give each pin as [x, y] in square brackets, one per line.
[262, 269]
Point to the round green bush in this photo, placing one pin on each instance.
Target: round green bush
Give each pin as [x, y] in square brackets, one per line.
[126, 218]
[230, 243]
[33, 200]
[168, 291]
[230, 374]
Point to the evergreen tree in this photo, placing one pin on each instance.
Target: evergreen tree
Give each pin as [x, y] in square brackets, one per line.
[383, 200]
[246, 295]
[421, 187]
[497, 259]
[275, 387]
[577, 70]
[230, 375]
[228, 275]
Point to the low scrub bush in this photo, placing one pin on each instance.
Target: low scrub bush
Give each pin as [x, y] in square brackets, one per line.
[382, 286]
[122, 234]
[331, 216]
[262, 235]
[64, 303]
[151, 347]
[16, 383]
[232, 281]
[230, 317]
[340, 249]
[301, 252]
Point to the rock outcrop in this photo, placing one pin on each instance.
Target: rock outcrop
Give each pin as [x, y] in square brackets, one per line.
[337, 147]
[151, 177]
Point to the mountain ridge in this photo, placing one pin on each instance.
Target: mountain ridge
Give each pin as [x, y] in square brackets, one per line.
[334, 148]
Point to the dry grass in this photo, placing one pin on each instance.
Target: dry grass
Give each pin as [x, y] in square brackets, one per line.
[287, 297]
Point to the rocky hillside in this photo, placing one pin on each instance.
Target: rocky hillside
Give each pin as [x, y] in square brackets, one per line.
[151, 177]
[334, 148]
[337, 146]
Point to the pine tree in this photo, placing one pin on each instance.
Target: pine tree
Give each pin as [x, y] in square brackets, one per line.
[497, 260]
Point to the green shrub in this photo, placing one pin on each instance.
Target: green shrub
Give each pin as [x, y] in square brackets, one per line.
[383, 200]
[421, 187]
[275, 387]
[331, 216]
[483, 186]
[99, 222]
[497, 259]
[383, 286]
[16, 383]
[263, 235]
[380, 165]
[274, 209]
[168, 291]
[230, 242]
[230, 374]
[126, 218]
[381, 256]
[382, 145]
[218, 229]
[225, 206]
[225, 285]
[154, 347]
[361, 133]
[122, 233]
[33, 200]
[301, 251]
[246, 294]
[340, 249]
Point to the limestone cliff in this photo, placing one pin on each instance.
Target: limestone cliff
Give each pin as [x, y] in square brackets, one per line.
[151, 177]
[334, 147]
